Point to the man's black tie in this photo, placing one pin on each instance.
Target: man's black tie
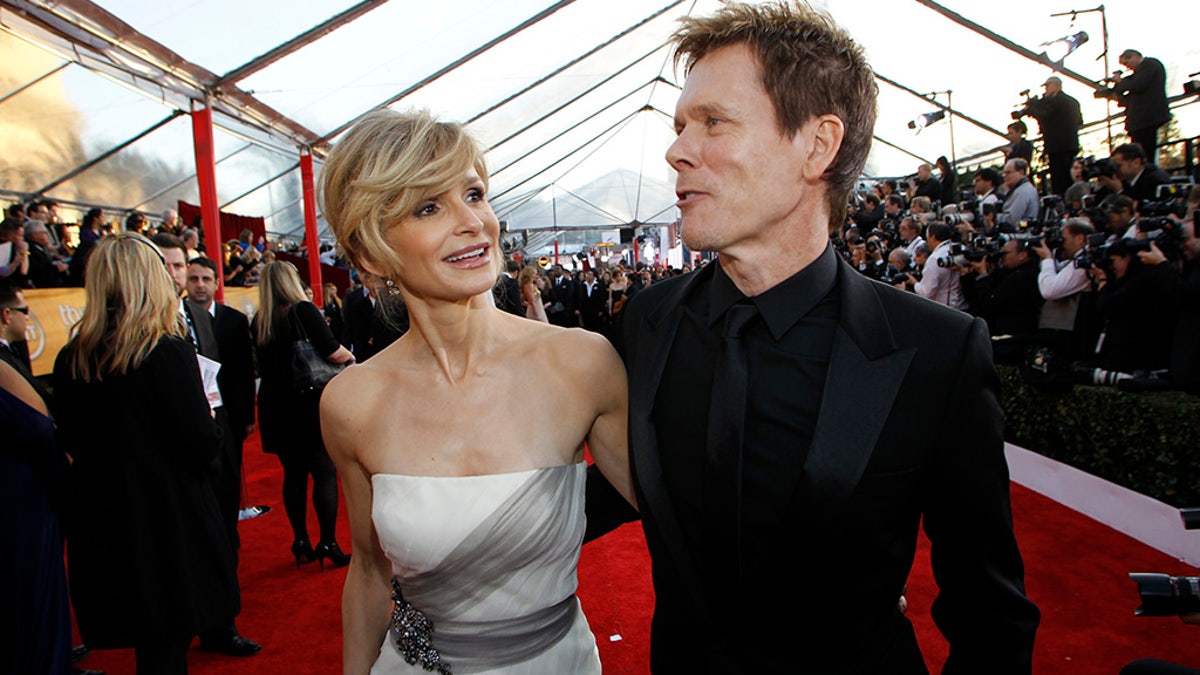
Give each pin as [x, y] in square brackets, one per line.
[726, 422]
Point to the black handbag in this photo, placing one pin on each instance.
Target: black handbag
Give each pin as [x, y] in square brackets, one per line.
[310, 371]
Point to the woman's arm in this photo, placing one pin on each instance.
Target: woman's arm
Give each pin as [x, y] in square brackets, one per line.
[317, 329]
[366, 595]
[608, 440]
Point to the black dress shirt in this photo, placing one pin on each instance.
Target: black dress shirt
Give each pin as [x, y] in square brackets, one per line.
[788, 355]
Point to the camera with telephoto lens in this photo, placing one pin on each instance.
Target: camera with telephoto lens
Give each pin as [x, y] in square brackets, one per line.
[894, 275]
[954, 219]
[1095, 168]
[1165, 595]
[1052, 236]
[1162, 207]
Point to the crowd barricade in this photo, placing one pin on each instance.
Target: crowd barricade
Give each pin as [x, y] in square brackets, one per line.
[53, 311]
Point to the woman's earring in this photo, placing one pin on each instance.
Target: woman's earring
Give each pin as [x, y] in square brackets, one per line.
[391, 287]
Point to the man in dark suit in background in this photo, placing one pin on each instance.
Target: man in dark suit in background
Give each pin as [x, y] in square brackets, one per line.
[842, 413]
[235, 380]
[1144, 95]
[225, 479]
[367, 331]
[507, 291]
[592, 302]
[14, 350]
[562, 297]
[1059, 118]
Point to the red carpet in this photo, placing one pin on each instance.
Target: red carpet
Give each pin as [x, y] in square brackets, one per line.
[1076, 571]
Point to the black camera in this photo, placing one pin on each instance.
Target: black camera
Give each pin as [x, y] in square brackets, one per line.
[1165, 595]
[1095, 168]
[1053, 209]
[1163, 207]
[1052, 236]
[894, 275]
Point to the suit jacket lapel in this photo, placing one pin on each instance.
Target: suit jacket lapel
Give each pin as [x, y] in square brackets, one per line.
[852, 415]
[202, 321]
[655, 337]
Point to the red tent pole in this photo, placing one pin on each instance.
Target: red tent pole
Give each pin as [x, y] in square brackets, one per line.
[310, 226]
[555, 248]
[206, 178]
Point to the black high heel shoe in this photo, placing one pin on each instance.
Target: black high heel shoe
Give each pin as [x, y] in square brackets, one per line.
[303, 551]
[333, 552]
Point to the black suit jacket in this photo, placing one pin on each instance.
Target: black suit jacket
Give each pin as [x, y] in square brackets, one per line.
[508, 295]
[236, 377]
[1144, 95]
[1059, 118]
[910, 431]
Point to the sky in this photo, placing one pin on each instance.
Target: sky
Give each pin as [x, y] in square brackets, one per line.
[392, 47]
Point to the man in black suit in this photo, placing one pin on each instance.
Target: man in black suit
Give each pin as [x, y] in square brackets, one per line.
[1136, 177]
[562, 298]
[781, 538]
[14, 350]
[1144, 95]
[235, 380]
[225, 479]
[1059, 118]
[367, 331]
[507, 291]
[592, 302]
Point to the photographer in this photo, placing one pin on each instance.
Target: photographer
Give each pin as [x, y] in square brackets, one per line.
[1181, 285]
[869, 216]
[1137, 317]
[910, 236]
[925, 185]
[1059, 119]
[1121, 218]
[893, 207]
[1005, 294]
[1080, 188]
[1144, 95]
[1019, 147]
[1134, 178]
[939, 282]
[1062, 284]
[1021, 200]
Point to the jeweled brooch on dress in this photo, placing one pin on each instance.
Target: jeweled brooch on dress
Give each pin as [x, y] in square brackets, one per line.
[411, 632]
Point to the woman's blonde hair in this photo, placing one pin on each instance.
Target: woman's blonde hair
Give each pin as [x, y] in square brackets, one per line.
[385, 166]
[131, 304]
[279, 288]
[529, 274]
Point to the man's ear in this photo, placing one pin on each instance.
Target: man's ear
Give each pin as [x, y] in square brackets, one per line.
[823, 137]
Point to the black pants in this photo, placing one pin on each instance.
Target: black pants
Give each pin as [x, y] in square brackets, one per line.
[162, 657]
[1060, 171]
[298, 465]
[1148, 139]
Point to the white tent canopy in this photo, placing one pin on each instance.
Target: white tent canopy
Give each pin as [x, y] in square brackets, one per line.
[573, 99]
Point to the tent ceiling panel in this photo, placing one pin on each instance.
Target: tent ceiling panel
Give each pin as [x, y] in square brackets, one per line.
[579, 127]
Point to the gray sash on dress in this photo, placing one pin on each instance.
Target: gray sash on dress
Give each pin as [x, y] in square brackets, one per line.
[541, 521]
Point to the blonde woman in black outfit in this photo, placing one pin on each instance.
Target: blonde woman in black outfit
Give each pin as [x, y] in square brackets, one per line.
[289, 419]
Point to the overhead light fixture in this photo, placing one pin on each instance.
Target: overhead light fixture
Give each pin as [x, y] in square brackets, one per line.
[925, 120]
[1057, 50]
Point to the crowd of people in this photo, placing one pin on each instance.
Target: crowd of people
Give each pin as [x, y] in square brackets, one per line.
[1093, 280]
[740, 421]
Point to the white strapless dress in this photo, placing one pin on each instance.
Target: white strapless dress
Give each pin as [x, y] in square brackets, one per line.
[491, 562]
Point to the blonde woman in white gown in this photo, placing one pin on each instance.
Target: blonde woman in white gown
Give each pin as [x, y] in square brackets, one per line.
[466, 527]
[531, 296]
